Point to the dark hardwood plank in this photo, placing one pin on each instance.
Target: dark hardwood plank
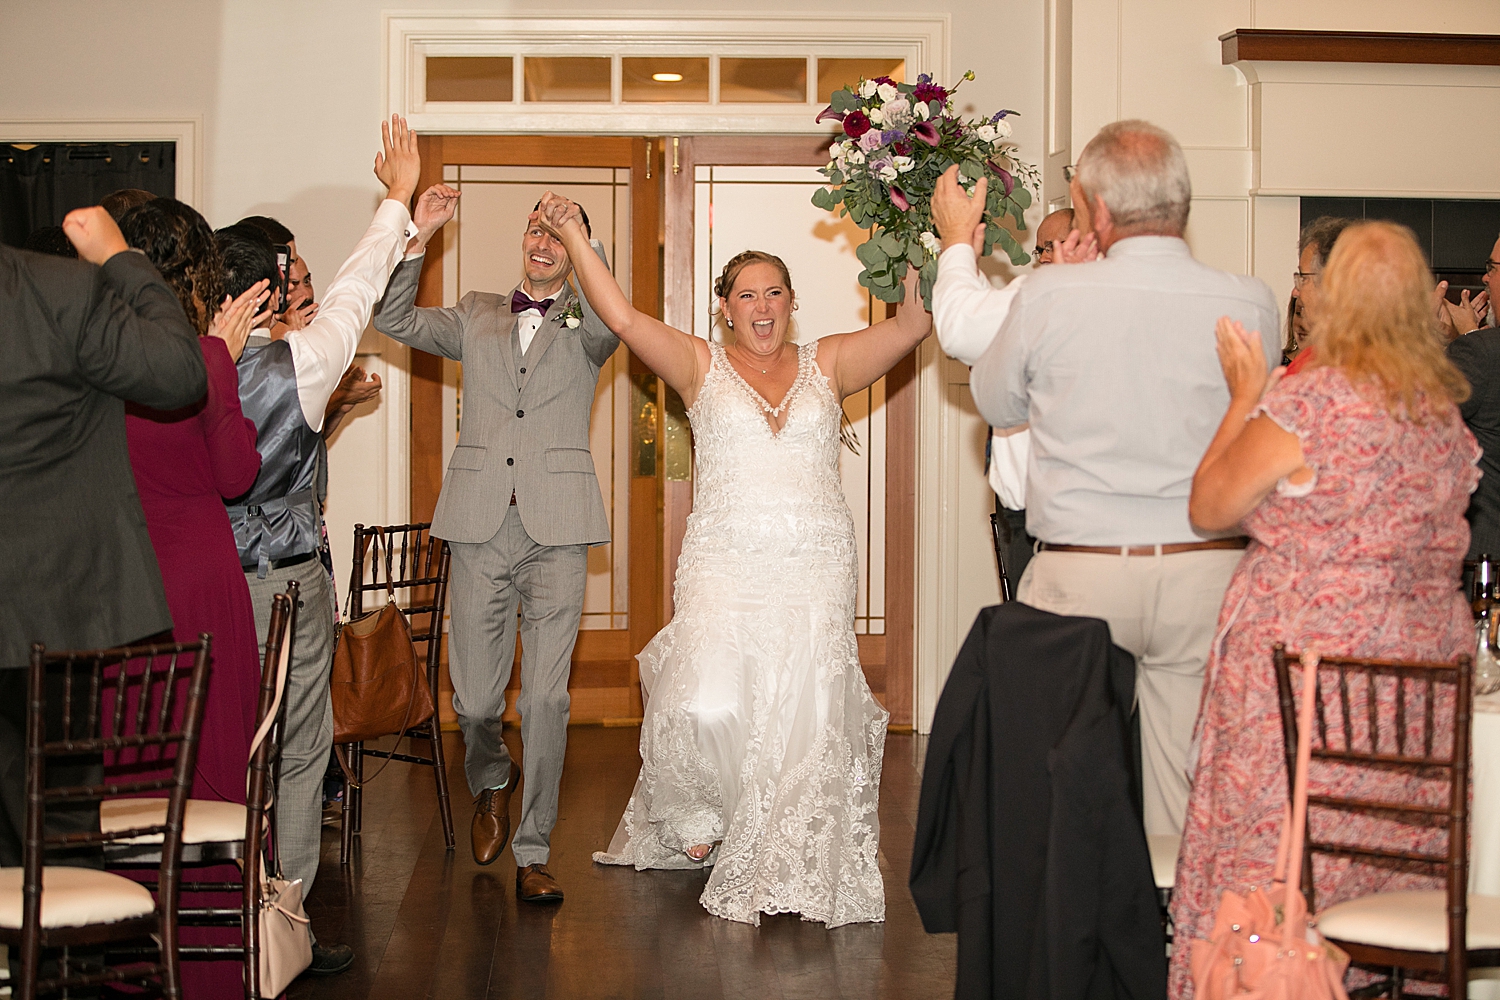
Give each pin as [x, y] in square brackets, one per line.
[426, 923]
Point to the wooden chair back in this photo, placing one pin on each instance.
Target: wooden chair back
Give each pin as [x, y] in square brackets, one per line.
[1386, 716]
[118, 702]
[404, 558]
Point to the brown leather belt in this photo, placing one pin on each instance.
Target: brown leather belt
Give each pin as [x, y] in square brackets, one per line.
[1238, 542]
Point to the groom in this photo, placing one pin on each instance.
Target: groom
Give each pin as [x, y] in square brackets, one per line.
[520, 507]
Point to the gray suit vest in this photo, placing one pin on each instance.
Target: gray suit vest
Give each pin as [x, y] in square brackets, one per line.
[279, 517]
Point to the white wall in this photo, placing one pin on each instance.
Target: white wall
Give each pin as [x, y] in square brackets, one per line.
[1161, 61]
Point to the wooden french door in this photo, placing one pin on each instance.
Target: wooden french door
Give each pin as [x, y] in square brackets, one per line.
[664, 193]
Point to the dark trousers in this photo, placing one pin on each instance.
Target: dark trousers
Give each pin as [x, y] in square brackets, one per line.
[1015, 543]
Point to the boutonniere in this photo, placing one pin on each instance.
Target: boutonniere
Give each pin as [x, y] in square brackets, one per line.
[572, 317]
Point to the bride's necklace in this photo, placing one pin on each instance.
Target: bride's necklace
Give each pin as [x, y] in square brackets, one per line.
[773, 364]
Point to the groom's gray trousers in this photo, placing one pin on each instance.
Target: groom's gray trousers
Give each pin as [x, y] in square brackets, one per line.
[488, 580]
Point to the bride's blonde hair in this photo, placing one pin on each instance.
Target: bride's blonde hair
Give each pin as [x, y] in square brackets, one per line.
[731, 273]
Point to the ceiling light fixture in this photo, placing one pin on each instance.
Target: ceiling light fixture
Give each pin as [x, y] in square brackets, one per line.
[667, 77]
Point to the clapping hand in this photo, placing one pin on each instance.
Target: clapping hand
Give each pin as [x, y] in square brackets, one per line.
[236, 318]
[301, 314]
[1244, 361]
[957, 215]
[93, 233]
[398, 165]
[435, 209]
[1076, 249]
[1464, 316]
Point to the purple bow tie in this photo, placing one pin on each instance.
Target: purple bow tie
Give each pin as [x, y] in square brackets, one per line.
[520, 302]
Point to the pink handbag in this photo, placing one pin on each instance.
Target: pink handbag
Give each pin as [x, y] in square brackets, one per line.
[1263, 944]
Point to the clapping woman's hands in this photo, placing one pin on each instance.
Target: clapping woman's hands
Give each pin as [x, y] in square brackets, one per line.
[236, 318]
[1243, 361]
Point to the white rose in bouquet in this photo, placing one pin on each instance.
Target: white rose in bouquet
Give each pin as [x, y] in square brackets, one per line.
[903, 163]
[867, 89]
[886, 91]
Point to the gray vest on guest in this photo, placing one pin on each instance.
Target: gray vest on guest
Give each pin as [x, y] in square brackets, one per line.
[279, 517]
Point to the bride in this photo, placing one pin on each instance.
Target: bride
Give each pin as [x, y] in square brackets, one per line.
[761, 744]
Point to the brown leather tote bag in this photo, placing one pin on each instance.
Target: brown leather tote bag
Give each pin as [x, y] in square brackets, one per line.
[379, 685]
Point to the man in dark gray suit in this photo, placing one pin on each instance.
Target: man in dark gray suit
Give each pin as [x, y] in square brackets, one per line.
[520, 507]
[1477, 354]
[78, 339]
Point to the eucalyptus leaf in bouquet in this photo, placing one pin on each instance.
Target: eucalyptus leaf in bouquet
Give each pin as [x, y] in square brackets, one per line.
[898, 140]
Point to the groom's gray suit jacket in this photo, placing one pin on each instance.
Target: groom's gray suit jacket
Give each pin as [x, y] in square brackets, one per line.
[525, 420]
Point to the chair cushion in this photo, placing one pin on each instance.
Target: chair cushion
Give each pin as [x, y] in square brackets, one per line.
[73, 897]
[205, 821]
[1413, 921]
[1164, 848]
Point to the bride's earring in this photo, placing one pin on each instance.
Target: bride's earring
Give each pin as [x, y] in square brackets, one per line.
[729, 323]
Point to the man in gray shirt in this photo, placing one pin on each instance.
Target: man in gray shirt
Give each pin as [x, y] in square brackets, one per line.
[1114, 367]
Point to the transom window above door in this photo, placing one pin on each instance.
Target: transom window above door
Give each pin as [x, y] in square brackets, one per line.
[634, 73]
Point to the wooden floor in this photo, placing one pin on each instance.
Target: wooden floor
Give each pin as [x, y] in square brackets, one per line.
[427, 923]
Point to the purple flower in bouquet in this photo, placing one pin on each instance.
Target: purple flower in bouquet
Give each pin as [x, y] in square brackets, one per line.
[926, 92]
[1002, 113]
[828, 112]
[856, 124]
[870, 141]
[898, 198]
[1005, 176]
[891, 136]
[927, 132]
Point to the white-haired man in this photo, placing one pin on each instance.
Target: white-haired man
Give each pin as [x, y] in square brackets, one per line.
[1113, 365]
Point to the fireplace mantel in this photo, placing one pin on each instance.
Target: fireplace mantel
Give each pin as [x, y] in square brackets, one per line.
[1370, 114]
[1273, 45]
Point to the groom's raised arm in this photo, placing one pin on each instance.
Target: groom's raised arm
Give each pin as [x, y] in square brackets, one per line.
[599, 342]
[431, 329]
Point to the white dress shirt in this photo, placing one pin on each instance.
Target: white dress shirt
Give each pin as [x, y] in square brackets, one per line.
[324, 348]
[967, 312]
[527, 324]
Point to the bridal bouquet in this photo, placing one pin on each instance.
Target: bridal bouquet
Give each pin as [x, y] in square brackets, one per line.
[898, 139]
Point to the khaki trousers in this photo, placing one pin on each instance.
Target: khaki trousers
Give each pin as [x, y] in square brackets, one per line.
[1164, 609]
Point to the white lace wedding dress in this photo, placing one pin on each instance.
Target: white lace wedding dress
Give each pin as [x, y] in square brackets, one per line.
[760, 731]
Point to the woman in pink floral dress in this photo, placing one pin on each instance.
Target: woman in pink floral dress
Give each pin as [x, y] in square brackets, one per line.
[1351, 479]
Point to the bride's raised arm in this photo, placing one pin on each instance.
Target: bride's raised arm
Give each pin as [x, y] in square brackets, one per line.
[678, 358]
[857, 360]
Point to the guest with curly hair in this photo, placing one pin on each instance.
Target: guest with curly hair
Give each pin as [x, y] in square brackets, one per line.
[181, 244]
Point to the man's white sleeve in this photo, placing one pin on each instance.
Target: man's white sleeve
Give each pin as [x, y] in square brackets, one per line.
[967, 311]
[998, 379]
[323, 349]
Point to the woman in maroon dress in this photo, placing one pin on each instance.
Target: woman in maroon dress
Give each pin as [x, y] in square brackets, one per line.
[185, 462]
[1351, 478]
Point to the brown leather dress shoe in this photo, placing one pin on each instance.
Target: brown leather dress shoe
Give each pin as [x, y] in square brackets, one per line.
[490, 828]
[535, 884]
